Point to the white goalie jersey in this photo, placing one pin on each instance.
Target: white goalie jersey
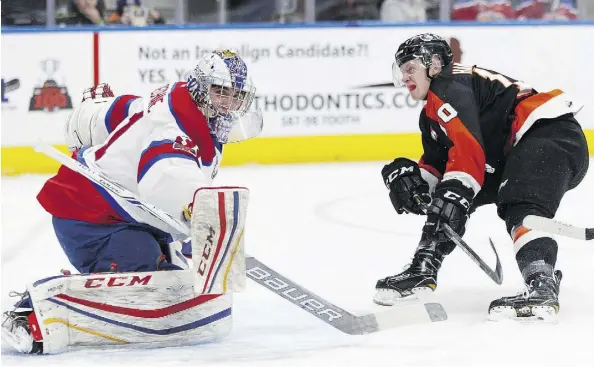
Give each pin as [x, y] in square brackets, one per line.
[158, 147]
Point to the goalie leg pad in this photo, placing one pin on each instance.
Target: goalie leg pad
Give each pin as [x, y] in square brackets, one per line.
[180, 253]
[217, 227]
[156, 309]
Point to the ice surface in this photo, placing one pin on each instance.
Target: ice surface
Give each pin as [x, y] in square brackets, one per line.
[332, 229]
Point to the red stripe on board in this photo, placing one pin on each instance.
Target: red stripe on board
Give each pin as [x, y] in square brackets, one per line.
[96, 58]
[101, 151]
[147, 314]
[223, 221]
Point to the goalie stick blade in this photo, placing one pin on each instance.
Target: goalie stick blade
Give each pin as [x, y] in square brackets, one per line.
[555, 227]
[335, 316]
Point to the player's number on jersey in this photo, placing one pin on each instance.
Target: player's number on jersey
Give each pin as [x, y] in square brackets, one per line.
[522, 87]
[446, 112]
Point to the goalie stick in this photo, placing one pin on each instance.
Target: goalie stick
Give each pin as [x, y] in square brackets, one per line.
[269, 278]
[495, 275]
[555, 227]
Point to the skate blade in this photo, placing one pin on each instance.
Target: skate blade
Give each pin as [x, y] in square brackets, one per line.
[537, 314]
[388, 297]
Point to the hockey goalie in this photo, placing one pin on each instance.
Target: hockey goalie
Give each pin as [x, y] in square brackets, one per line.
[140, 281]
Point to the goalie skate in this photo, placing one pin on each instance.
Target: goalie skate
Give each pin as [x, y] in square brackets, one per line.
[539, 302]
[17, 327]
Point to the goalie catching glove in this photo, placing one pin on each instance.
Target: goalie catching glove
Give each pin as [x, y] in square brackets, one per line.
[407, 187]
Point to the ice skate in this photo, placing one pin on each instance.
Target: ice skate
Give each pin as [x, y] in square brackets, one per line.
[539, 302]
[16, 329]
[420, 277]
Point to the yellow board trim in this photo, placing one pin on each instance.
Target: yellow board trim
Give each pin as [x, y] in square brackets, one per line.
[231, 261]
[300, 149]
[84, 330]
[285, 150]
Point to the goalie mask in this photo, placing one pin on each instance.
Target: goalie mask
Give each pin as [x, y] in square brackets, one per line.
[222, 89]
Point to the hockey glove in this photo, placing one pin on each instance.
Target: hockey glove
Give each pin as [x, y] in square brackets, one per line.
[450, 205]
[403, 178]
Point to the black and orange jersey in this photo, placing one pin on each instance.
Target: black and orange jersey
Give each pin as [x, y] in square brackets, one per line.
[473, 116]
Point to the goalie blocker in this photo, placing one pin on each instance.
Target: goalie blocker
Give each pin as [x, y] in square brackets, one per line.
[161, 308]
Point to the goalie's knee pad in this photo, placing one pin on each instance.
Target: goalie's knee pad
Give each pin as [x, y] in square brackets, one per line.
[218, 222]
[162, 308]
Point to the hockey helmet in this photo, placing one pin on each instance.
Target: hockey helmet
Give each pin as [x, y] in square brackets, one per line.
[423, 47]
[221, 87]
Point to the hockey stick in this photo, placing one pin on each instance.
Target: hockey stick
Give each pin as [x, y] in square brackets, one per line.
[269, 278]
[555, 227]
[495, 275]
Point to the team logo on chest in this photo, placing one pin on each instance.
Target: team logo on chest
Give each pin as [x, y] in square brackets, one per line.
[185, 144]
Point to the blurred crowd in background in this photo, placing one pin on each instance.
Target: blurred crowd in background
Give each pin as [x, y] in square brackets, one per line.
[147, 12]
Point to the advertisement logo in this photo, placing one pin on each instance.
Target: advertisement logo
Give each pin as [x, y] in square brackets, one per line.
[347, 107]
[50, 96]
[7, 87]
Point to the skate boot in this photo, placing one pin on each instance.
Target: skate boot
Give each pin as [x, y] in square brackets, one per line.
[540, 300]
[419, 277]
[18, 327]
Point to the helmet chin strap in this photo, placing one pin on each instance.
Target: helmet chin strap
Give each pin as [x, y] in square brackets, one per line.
[428, 75]
[428, 69]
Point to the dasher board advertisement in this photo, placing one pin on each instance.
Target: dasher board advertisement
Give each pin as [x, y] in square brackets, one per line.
[336, 81]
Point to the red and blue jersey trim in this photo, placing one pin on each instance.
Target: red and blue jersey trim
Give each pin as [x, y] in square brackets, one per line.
[121, 212]
[69, 195]
[157, 151]
[118, 111]
[113, 138]
[192, 122]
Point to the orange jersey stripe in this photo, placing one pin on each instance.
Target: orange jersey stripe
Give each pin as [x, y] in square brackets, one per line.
[466, 154]
[527, 106]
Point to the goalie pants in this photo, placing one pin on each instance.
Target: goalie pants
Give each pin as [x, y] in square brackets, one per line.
[93, 248]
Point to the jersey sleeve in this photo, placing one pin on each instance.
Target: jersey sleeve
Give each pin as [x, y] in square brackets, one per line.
[118, 111]
[93, 120]
[169, 173]
[435, 156]
[457, 114]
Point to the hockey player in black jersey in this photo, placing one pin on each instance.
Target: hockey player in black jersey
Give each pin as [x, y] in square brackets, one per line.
[487, 139]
